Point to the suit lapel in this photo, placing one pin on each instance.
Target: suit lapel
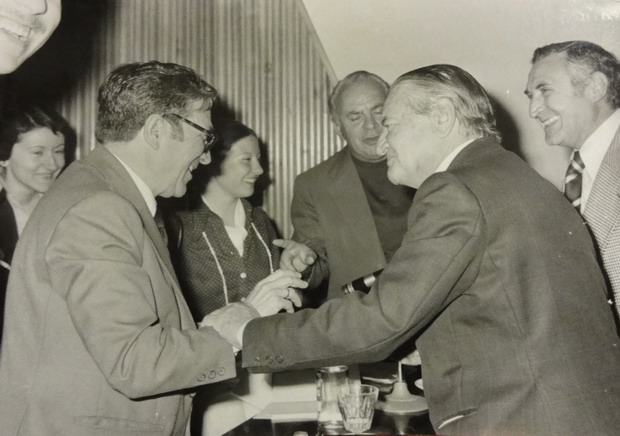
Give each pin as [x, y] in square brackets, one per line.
[347, 194]
[122, 183]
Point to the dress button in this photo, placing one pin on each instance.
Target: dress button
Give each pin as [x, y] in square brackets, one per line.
[212, 374]
[243, 275]
[269, 359]
[257, 359]
[221, 371]
[202, 377]
[279, 359]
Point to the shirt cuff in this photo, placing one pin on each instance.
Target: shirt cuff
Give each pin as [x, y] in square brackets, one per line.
[240, 335]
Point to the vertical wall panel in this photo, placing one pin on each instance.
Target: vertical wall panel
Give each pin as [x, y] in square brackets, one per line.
[263, 57]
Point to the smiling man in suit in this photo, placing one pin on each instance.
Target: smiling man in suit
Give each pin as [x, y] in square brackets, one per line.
[98, 338]
[495, 274]
[574, 91]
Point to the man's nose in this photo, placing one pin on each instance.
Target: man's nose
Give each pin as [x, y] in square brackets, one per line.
[34, 7]
[382, 144]
[535, 105]
[370, 123]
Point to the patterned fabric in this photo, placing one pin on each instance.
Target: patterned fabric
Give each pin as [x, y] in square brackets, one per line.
[602, 214]
[573, 181]
[197, 267]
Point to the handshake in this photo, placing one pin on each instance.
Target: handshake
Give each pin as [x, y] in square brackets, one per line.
[276, 292]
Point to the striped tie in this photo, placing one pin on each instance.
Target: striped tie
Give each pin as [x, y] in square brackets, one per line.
[572, 181]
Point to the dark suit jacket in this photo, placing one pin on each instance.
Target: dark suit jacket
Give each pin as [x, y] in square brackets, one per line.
[499, 277]
[8, 239]
[98, 338]
[330, 214]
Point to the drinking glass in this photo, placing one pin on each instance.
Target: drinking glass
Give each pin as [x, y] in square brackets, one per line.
[357, 405]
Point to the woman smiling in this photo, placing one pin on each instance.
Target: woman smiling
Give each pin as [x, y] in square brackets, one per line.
[32, 154]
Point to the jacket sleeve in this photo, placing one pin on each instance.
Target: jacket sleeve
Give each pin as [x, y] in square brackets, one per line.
[104, 265]
[439, 259]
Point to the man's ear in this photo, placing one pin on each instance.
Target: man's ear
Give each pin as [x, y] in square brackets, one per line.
[597, 86]
[154, 129]
[444, 117]
[336, 124]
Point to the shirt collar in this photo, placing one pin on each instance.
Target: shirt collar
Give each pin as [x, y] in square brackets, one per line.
[594, 148]
[145, 191]
[449, 158]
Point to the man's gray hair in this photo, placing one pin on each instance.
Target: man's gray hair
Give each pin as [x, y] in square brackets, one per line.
[471, 102]
[586, 58]
[344, 84]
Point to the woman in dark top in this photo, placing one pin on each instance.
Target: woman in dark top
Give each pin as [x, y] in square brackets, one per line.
[32, 154]
[225, 251]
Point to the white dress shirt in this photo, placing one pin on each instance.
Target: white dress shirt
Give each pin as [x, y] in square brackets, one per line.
[145, 191]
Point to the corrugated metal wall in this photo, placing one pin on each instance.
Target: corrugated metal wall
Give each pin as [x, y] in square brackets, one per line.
[262, 56]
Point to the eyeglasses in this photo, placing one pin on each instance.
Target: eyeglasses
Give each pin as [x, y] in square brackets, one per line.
[209, 137]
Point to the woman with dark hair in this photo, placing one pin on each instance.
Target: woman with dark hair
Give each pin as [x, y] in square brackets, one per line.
[225, 251]
[32, 154]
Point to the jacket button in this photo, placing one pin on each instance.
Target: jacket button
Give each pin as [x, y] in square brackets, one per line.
[243, 275]
[212, 374]
[221, 371]
[279, 359]
[257, 359]
[202, 377]
[269, 359]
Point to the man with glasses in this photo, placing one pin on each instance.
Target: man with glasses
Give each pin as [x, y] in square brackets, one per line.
[209, 136]
[98, 337]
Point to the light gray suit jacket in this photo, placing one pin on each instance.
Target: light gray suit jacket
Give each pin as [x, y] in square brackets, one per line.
[498, 276]
[98, 339]
[602, 213]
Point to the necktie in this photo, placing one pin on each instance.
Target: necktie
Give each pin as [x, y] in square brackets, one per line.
[159, 220]
[573, 179]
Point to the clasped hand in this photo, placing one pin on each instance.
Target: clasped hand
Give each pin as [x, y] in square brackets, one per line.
[271, 295]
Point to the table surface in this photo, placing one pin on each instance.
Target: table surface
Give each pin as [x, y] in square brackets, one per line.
[383, 423]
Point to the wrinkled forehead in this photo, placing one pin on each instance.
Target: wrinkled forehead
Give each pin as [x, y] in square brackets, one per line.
[363, 92]
[396, 102]
[549, 68]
